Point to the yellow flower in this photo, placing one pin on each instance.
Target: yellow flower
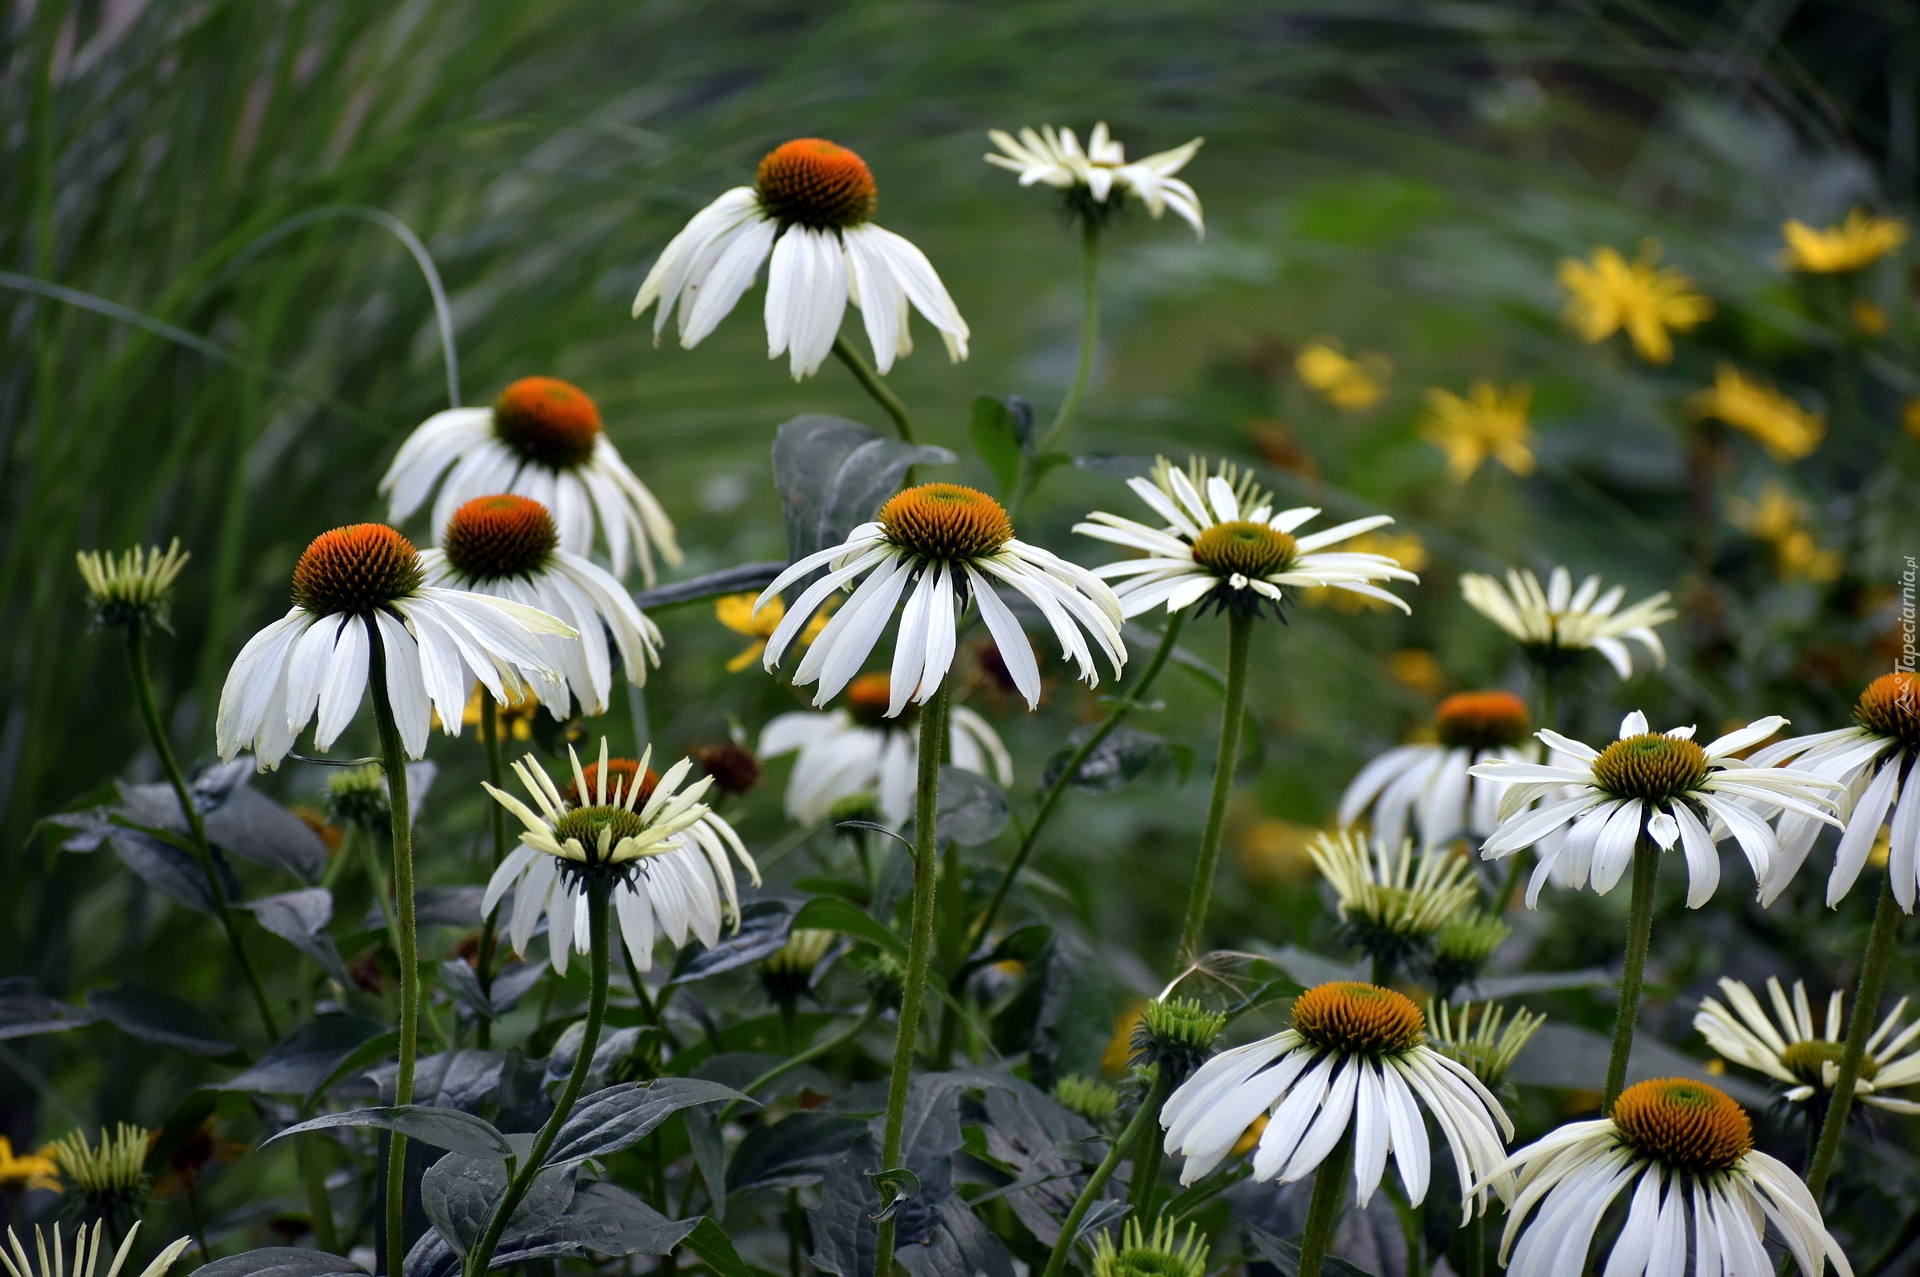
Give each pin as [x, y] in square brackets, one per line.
[735, 611]
[1416, 669]
[1608, 293]
[1274, 852]
[28, 1171]
[1349, 384]
[1490, 422]
[1406, 549]
[1780, 519]
[1870, 318]
[1786, 430]
[1910, 416]
[516, 717]
[1114, 1060]
[1860, 241]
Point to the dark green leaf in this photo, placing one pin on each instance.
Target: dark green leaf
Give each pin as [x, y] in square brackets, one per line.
[1284, 1254]
[280, 1261]
[168, 870]
[997, 439]
[449, 1129]
[300, 918]
[833, 474]
[1122, 756]
[710, 1155]
[763, 929]
[607, 1121]
[972, 810]
[459, 1194]
[304, 1058]
[162, 1019]
[737, 580]
[716, 1248]
[894, 1186]
[795, 1151]
[25, 1011]
[831, 913]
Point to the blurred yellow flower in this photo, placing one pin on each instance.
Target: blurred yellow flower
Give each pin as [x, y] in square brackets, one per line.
[1349, 384]
[1249, 1138]
[1910, 416]
[1870, 318]
[1416, 669]
[1274, 852]
[735, 611]
[1860, 241]
[516, 717]
[1780, 519]
[1786, 430]
[1114, 1060]
[1608, 293]
[28, 1170]
[1490, 422]
[1406, 549]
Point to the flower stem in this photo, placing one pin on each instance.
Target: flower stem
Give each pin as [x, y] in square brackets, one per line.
[313, 1177]
[1474, 1243]
[1866, 1002]
[393, 761]
[1089, 334]
[870, 382]
[1127, 703]
[497, 818]
[599, 894]
[1646, 873]
[1144, 1122]
[933, 721]
[1323, 1210]
[196, 824]
[1148, 1152]
[1239, 635]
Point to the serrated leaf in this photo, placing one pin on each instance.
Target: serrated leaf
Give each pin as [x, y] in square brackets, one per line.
[620, 1116]
[450, 1129]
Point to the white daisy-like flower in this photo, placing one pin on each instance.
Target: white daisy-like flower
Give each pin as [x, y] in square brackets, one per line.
[953, 544]
[810, 207]
[1806, 1059]
[1053, 157]
[1559, 621]
[1685, 1149]
[356, 587]
[856, 752]
[1660, 785]
[1431, 786]
[668, 850]
[1874, 761]
[1228, 546]
[509, 547]
[1356, 1060]
[543, 439]
[88, 1244]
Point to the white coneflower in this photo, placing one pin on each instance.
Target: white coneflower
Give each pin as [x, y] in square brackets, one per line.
[953, 544]
[1659, 785]
[355, 587]
[1228, 547]
[1392, 900]
[1804, 1058]
[856, 750]
[1699, 1179]
[811, 208]
[1355, 1061]
[133, 587]
[88, 1243]
[1874, 760]
[1431, 784]
[509, 547]
[1053, 157]
[1558, 621]
[667, 850]
[542, 438]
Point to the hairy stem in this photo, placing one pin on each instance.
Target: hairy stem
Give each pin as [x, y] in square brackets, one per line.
[870, 382]
[1239, 636]
[393, 761]
[1866, 1002]
[1323, 1210]
[1646, 873]
[1143, 1122]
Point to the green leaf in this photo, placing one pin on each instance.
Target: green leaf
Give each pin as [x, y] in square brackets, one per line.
[716, 1248]
[450, 1129]
[830, 913]
[894, 1186]
[996, 437]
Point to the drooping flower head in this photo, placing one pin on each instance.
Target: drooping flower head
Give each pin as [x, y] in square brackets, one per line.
[508, 547]
[89, 1242]
[1663, 786]
[543, 439]
[811, 208]
[1685, 1150]
[953, 544]
[855, 750]
[1608, 293]
[1559, 622]
[1391, 899]
[1090, 178]
[1858, 242]
[1356, 1059]
[1804, 1056]
[1223, 545]
[1874, 760]
[361, 598]
[1430, 785]
[1777, 423]
[665, 851]
[133, 588]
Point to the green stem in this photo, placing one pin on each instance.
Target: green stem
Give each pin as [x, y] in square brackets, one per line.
[1866, 1002]
[319, 1204]
[1323, 1210]
[1127, 703]
[1148, 1153]
[393, 761]
[933, 721]
[196, 824]
[497, 820]
[1089, 334]
[1239, 635]
[1143, 1121]
[1646, 873]
[599, 894]
[1475, 1243]
[825, 1046]
[870, 382]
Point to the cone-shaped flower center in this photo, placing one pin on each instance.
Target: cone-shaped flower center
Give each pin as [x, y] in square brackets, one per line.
[1650, 767]
[1891, 706]
[1243, 548]
[355, 569]
[1358, 1019]
[621, 776]
[1687, 1125]
[587, 824]
[492, 538]
[1808, 1060]
[946, 521]
[1481, 720]
[548, 421]
[816, 183]
[868, 697]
